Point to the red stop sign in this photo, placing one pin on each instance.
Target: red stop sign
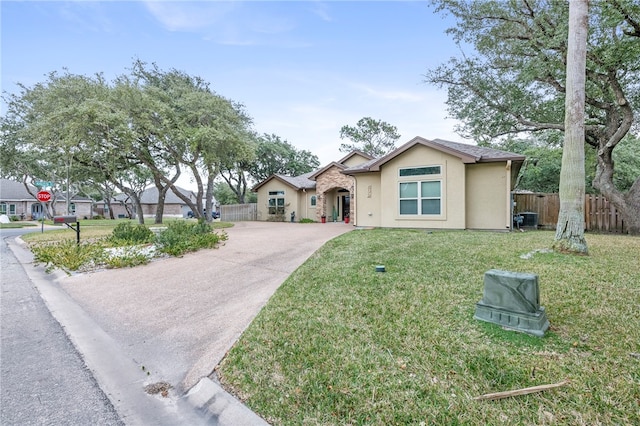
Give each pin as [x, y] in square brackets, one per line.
[43, 196]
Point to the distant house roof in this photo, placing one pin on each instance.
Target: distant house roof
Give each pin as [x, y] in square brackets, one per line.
[468, 154]
[11, 190]
[150, 196]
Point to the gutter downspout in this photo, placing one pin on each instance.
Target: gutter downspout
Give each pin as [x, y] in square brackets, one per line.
[354, 202]
[509, 198]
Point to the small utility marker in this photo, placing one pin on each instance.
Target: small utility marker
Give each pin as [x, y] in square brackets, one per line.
[380, 268]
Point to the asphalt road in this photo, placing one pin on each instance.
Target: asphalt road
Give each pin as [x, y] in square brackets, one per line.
[43, 379]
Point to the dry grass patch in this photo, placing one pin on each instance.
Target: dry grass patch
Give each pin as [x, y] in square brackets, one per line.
[342, 344]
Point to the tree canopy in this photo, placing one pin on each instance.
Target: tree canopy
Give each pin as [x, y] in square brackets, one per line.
[145, 126]
[374, 137]
[515, 81]
[277, 156]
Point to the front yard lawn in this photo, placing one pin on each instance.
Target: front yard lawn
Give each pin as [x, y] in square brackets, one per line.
[340, 343]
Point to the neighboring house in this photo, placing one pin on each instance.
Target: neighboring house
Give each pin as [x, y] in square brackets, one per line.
[15, 200]
[174, 206]
[311, 195]
[422, 184]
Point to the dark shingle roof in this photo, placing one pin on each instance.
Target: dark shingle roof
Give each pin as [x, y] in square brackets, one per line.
[299, 182]
[11, 190]
[467, 154]
[150, 196]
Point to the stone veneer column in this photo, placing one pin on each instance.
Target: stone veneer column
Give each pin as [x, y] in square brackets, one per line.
[329, 180]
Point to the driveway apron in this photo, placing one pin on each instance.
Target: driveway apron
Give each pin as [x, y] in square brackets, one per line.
[177, 317]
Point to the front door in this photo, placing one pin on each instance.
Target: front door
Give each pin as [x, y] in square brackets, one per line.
[36, 211]
[346, 205]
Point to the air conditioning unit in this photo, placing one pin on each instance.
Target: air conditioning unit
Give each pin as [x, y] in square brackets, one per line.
[529, 219]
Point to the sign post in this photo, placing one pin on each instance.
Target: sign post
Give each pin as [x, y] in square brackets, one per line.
[44, 197]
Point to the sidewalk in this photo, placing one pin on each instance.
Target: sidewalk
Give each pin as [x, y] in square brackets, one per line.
[178, 317]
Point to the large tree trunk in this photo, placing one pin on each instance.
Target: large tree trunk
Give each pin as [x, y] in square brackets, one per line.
[631, 213]
[627, 204]
[209, 195]
[570, 228]
[619, 119]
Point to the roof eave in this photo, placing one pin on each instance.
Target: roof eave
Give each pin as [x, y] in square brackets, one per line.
[325, 168]
[255, 188]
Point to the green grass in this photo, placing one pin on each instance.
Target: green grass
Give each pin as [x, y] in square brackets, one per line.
[14, 225]
[96, 228]
[342, 344]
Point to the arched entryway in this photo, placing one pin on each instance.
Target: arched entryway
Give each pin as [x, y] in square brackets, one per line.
[335, 195]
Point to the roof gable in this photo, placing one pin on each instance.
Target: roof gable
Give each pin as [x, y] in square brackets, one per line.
[468, 154]
[327, 167]
[354, 153]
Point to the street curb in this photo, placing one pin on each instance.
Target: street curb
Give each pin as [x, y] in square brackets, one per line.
[221, 407]
[208, 401]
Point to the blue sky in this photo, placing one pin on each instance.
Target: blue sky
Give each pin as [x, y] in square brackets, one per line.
[303, 69]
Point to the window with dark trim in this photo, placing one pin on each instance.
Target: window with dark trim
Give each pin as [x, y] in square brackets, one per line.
[420, 171]
[276, 202]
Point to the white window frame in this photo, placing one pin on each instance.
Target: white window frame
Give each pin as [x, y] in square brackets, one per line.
[313, 200]
[3, 208]
[419, 198]
[419, 175]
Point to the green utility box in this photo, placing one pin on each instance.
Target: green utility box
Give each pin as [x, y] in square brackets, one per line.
[512, 300]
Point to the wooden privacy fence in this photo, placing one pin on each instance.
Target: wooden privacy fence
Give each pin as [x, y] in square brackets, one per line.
[239, 212]
[599, 214]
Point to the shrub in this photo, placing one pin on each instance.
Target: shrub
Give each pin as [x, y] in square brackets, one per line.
[125, 232]
[128, 257]
[68, 255]
[307, 220]
[181, 237]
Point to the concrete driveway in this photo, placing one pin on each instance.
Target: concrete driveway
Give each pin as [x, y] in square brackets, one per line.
[177, 317]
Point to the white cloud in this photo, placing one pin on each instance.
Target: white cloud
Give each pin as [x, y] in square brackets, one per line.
[189, 16]
[228, 23]
[321, 9]
[388, 95]
[86, 16]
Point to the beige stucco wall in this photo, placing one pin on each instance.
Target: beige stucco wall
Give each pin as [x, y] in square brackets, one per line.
[304, 209]
[488, 196]
[290, 198]
[367, 210]
[298, 201]
[355, 160]
[453, 190]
